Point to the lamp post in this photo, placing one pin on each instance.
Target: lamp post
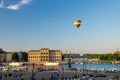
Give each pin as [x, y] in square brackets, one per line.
[69, 63]
[63, 73]
[33, 68]
[81, 55]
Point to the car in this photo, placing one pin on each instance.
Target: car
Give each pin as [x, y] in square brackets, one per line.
[91, 75]
[112, 78]
[86, 77]
[99, 75]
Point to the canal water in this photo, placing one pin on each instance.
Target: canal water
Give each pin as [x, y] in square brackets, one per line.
[94, 66]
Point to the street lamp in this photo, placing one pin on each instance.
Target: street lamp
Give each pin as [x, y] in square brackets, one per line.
[33, 68]
[81, 55]
[69, 63]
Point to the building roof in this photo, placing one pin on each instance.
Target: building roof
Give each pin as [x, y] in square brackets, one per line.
[2, 52]
[55, 51]
[44, 49]
[34, 51]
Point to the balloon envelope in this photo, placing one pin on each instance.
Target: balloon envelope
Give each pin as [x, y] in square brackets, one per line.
[77, 23]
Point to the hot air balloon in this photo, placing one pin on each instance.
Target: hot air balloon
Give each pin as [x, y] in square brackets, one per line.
[77, 23]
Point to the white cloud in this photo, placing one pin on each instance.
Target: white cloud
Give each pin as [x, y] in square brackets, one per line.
[25, 1]
[15, 6]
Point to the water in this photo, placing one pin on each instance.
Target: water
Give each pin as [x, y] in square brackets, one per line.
[93, 66]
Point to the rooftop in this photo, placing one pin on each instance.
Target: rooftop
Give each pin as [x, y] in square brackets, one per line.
[1, 51]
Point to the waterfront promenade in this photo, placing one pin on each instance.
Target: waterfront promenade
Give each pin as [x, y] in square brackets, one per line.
[63, 75]
[91, 71]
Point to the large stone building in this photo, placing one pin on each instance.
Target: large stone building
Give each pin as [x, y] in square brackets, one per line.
[2, 55]
[44, 55]
[5, 56]
[9, 57]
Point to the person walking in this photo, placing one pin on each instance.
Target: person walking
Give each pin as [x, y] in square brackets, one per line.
[55, 76]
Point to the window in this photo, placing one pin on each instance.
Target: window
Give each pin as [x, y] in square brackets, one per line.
[41, 52]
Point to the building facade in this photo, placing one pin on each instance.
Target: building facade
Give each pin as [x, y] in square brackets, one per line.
[9, 57]
[5, 56]
[44, 55]
[2, 55]
[55, 55]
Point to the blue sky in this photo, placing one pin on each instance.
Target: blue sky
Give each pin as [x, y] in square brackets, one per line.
[35, 24]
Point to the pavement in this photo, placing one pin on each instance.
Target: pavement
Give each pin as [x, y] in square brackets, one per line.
[62, 75]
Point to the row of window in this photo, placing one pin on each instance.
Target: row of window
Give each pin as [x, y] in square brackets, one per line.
[55, 57]
[38, 60]
[44, 57]
[55, 54]
[38, 57]
[42, 53]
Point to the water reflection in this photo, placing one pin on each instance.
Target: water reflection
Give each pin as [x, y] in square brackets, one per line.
[94, 66]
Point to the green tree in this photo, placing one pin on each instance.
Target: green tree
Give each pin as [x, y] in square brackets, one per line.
[24, 55]
[109, 57]
[101, 57]
[115, 56]
[90, 56]
[15, 56]
[119, 57]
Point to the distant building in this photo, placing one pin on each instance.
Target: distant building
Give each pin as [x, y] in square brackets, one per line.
[20, 56]
[67, 52]
[8, 57]
[44, 55]
[2, 55]
[117, 52]
[5, 56]
[55, 56]
[72, 55]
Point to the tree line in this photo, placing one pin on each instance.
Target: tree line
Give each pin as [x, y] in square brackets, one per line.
[108, 56]
[20, 56]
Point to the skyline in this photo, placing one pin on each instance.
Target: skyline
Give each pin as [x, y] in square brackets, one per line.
[35, 24]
